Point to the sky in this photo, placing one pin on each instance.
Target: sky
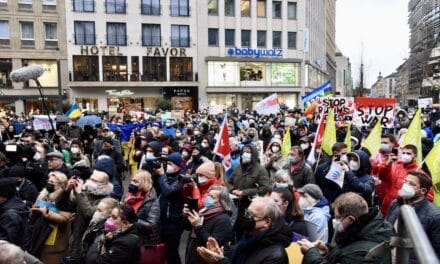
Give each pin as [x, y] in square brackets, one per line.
[378, 29]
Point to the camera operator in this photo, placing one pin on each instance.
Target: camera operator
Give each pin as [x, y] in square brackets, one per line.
[171, 204]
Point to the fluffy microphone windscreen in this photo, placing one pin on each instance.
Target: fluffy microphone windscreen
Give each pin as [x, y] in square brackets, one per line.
[31, 72]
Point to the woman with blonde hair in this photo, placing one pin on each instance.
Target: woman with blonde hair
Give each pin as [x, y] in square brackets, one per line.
[220, 174]
[52, 217]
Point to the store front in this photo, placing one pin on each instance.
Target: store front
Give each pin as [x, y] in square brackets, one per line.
[182, 98]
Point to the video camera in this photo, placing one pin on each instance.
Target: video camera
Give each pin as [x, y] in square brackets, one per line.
[189, 178]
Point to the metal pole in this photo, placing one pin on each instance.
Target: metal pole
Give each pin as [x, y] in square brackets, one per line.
[44, 105]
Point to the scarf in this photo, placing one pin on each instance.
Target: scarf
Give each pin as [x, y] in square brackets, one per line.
[246, 246]
[135, 200]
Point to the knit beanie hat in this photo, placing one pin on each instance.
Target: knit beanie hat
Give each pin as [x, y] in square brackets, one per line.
[175, 158]
[7, 187]
[207, 169]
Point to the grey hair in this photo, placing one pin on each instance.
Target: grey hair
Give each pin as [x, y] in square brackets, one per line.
[283, 175]
[10, 253]
[110, 203]
[270, 208]
[223, 197]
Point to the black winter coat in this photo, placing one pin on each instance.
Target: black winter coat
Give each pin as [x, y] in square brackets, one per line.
[171, 198]
[27, 192]
[149, 219]
[12, 221]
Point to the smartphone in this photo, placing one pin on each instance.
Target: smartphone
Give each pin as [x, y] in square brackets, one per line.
[193, 204]
[395, 151]
[338, 158]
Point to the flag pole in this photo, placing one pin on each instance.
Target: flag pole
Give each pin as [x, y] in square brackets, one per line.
[317, 161]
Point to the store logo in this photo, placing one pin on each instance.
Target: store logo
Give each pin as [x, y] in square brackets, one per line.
[257, 53]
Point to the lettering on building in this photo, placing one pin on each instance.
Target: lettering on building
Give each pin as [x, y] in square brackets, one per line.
[164, 52]
[101, 50]
[257, 53]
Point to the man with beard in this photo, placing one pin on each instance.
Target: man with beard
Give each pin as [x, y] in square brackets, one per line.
[86, 196]
[357, 230]
[266, 236]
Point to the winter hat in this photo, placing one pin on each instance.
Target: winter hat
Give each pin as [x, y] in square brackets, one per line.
[175, 158]
[7, 187]
[156, 146]
[312, 190]
[207, 169]
[106, 165]
[187, 147]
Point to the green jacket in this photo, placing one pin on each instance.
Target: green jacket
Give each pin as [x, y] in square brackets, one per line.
[353, 244]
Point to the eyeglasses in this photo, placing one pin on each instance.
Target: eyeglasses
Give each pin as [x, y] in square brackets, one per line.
[250, 215]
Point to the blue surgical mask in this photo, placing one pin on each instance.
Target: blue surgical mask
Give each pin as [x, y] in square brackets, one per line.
[292, 159]
[281, 185]
[209, 202]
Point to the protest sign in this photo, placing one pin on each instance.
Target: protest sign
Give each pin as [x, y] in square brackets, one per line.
[343, 108]
[41, 122]
[369, 110]
[336, 174]
[215, 109]
[425, 102]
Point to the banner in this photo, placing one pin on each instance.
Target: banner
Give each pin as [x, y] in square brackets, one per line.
[215, 109]
[41, 122]
[343, 109]
[309, 100]
[369, 110]
[425, 102]
[268, 105]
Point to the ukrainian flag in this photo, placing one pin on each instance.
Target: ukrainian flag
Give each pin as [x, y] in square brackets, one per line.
[73, 112]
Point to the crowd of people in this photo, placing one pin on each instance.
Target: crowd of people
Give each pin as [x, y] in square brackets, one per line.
[125, 191]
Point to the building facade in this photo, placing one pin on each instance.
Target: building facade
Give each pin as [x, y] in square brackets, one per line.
[330, 29]
[32, 32]
[344, 79]
[402, 75]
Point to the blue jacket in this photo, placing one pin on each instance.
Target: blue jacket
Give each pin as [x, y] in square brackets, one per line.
[319, 215]
[171, 197]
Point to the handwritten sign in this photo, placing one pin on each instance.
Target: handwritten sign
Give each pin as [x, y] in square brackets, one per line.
[343, 107]
[369, 110]
[41, 122]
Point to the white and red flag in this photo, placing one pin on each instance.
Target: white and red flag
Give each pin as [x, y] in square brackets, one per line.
[318, 140]
[268, 105]
[222, 147]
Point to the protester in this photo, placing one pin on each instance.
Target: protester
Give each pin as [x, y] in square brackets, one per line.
[362, 182]
[300, 172]
[272, 159]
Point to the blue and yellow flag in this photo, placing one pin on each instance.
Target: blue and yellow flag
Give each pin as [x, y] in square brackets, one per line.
[73, 112]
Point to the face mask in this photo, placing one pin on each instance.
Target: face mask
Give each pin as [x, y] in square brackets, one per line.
[344, 158]
[277, 136]
[133, 188]
[306, 202]
[110, 225]
[171, 170]
[195, 157]
[205, 145]
[385, 148]
[37, 156]
[246, 157]
[292, 159]
[275, 149]
[143, 143]
[304, 146]
[74, 150]
[407, 191]
[248, 224]
[202, 180]
[209, 202]
[406, 158]
[50, 187]
[354, 165]
[178, 134]
[150, 156]
[281, 185]
[337, 225]
[98, 217]
[185, 154]
[251, 136]
[196, 133]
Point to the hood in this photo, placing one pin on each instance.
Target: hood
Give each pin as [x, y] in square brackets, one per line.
[106, 165]
[255, 133]
[156, 146]
[255, 158]
[364, 161]
[322, 203]
[274, 140]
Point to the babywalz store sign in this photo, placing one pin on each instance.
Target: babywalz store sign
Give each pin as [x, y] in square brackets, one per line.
[257, 53]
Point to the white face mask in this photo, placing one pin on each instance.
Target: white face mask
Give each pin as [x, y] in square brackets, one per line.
[196, 133]
[37, 156]
[406, 158]
[407, 191]
[149, 156]
[337, 225]
[178, 134]
[354, 165]
[344, 158]
[275, 149]
[246, 157]
[205, 145]
[98, 217]
[185, 154]
[304, 146]
[171, 169]
[306, 202]
[74, 150]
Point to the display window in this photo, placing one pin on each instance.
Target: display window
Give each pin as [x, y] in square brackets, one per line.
[5, 71]
[223, 73]
[227, 100]
[154, 69]
[36, 105]
[253, 71]
[89, 104]
[50, 75]
[285, 73]
[86, 68]
[181, 69]
[114, 68]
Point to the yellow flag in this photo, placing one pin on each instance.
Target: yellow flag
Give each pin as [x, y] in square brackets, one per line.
[433, 164]
[348, 138]
[372, 142]
[329, 138]
[285, 148]
[413, 135]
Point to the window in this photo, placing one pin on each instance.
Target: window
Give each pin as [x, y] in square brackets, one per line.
[50, 2]
[151, 35]
[84, 33]
[229, 37]
[245, 38]
[4, 29]
[261, 38]
[291, 11]
[50, 30]
[116, 34]
[5, 71]
[212, 7]
[179, 36]
[245, 6]
[134, 68]
[180, 69]
[27, 30]
[114, 68]
[261, 8]
[85, 68]
[213, 36]
[154, 68]
[26, 2]
[179, 8]
[3, 4]
[83, 5]
[276, 9]
[115, 6]
[276, 39]
[252, 71]
[291, 40]
[229, 7]
[150, 7]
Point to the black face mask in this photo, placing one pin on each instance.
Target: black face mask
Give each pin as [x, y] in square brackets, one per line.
[248, 224]
[50, 187]
[196, 157]
[18, 183]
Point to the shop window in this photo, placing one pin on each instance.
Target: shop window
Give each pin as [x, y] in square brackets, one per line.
[5, 71]
[213, 36]
[252, 71]
[291, 10]
[84, 33]
[245, 6]
[114, 68]
[151, 35]
[117, 34]
[261, 8]
[291, 40]
[179, 8]
[276, 9]
[180, 36]
[223, 73]
[154, 69]
[276, 39]
[84, 5]
[261, 39]
[150, 7]
[86, 68]
[134, 68]
[115, 6]
[89, 104]
[228, 100]
[212, 7]
[285, 73]
[181, 69]
[50, 75]
[245, 38]
[229, 37]
[229, 7]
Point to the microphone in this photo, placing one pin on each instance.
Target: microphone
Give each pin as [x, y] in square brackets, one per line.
[31, 72]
